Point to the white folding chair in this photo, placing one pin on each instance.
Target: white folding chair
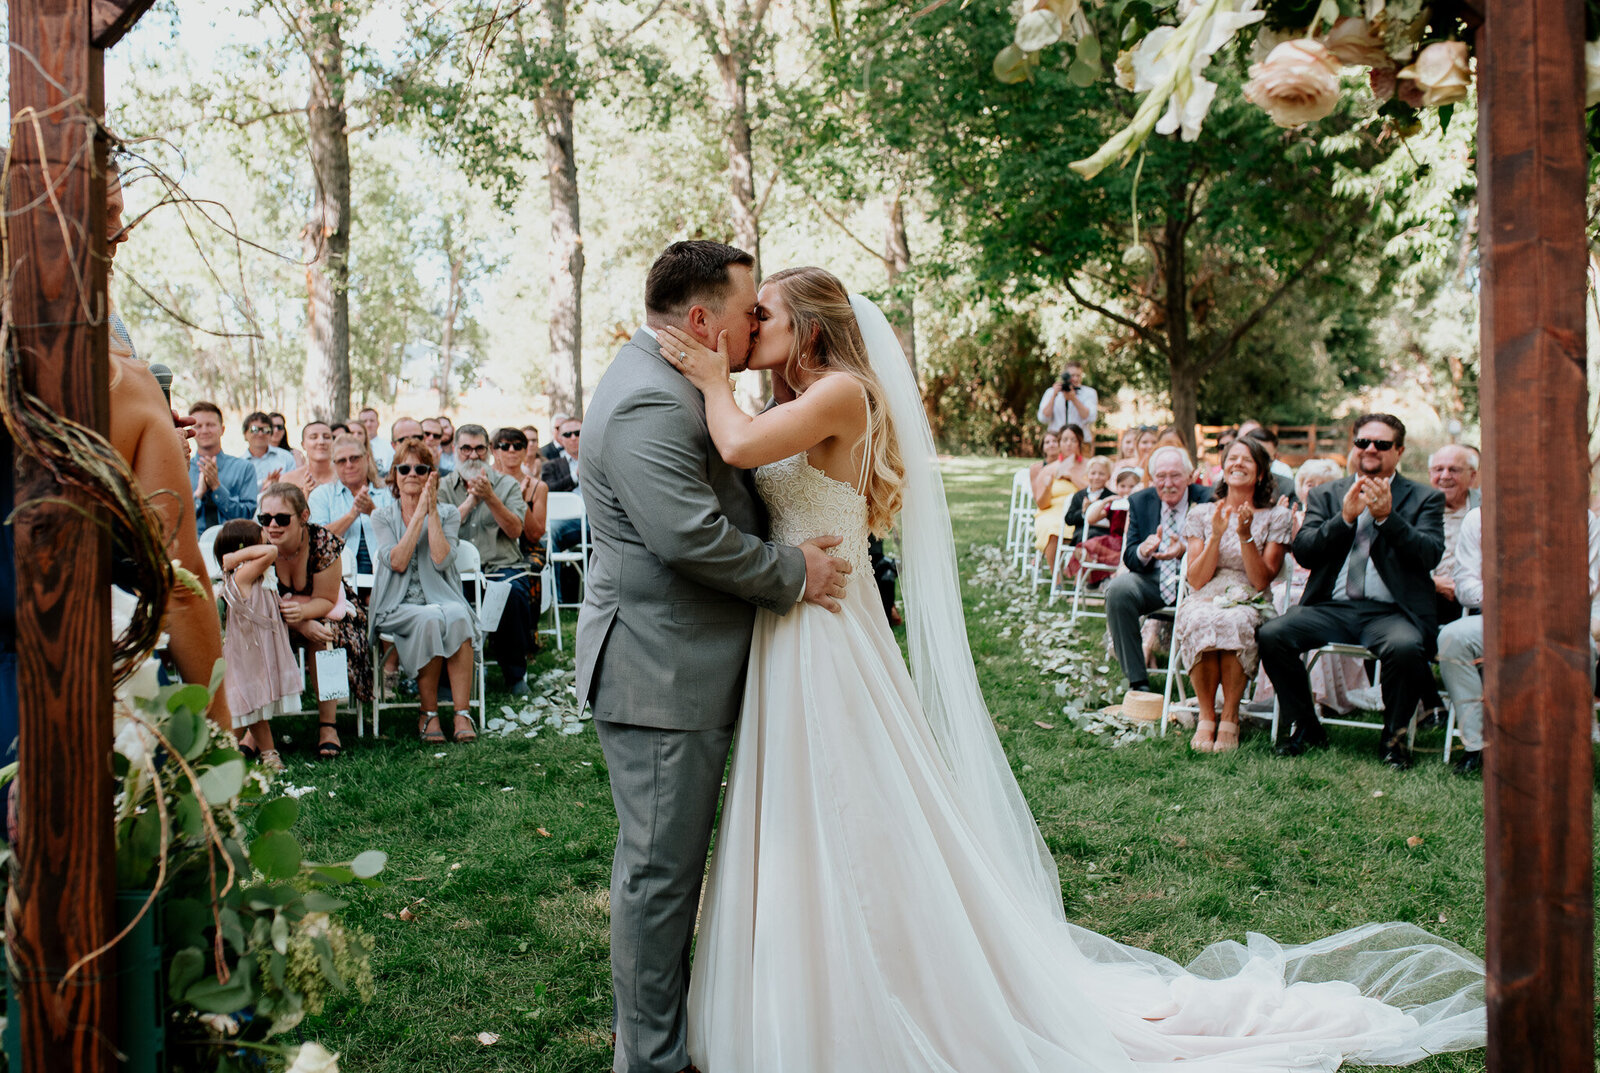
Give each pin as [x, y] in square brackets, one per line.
[208, 555]
[564, 506]
[1019, 518]
[1080, 590]
[547, 602]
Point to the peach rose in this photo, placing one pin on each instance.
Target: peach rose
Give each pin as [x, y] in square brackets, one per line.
[1441, 73]
[1353, 43]
[1298, 83]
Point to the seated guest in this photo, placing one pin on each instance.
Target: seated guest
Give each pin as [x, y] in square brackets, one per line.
[1142, 448]
[1452, 471]
[494, 518]
[1236, 548]
[1105, 514]
[447, 445]
[561, 472]
[266, 458]
[345, 506]
[1280, 470]
[1071, 443]
[320, 608]
[316, 445]
[382, 453]
[1053, 488]
[534, 457]
[1097, 472]
[1371, 541]
[405, 428]
[433, 436]
[280, 438]
[511, 457]
[417, 599]
[1049, 454]
[1336, 681]
[549, 451]
[1225, 440]
[225, 487]
[1151, 549]
[1127, 450]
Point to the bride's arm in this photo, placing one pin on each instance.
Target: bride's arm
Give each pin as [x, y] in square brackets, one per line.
[833, 406]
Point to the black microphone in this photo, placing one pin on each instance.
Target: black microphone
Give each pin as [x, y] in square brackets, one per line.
[163, 377]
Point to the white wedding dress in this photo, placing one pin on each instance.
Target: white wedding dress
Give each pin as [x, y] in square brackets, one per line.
[881, 901]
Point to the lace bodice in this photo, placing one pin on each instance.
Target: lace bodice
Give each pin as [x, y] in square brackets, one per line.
[805, 502]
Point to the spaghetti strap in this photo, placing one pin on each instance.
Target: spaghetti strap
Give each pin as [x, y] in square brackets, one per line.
[866, 458]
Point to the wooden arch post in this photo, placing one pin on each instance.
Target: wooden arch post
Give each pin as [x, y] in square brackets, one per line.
[60, 909]
[1532, 168]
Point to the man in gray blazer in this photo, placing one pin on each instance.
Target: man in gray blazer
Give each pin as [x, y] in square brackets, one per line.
[680, 563]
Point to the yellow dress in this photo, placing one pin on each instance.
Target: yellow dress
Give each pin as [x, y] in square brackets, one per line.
[1052, 520]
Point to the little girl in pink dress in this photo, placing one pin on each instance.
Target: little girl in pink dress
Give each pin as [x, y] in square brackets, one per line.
[261, 669]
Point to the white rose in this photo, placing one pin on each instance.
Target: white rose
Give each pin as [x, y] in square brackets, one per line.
[1039, 28]
[133, 741]
[1298, 83]
[313, 1058]
[1353, 43]
[1591, 70]
[1441, 72]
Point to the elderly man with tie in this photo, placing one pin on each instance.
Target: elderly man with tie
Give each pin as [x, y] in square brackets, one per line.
[1371, 542]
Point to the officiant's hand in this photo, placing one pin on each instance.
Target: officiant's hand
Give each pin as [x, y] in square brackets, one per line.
[700, 365]
[825, 575]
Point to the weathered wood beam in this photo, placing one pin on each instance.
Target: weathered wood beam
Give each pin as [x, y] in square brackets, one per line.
[111, 19]
[1537, 777]
[60, 906]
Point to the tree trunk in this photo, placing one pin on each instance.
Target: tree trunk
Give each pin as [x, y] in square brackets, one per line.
[897, 259]
[1185, 376]
[752, 388]
[566, 235]
[327, 232]
[448, 339]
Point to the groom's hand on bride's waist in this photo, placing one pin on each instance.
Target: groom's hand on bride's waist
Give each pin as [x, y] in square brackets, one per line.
[825, 575]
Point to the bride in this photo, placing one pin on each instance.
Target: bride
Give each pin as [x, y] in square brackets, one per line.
[880, 899]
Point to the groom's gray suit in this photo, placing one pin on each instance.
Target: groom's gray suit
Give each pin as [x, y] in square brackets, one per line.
[679, 566]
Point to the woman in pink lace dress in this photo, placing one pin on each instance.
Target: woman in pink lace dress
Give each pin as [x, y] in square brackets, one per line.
[1236, 548]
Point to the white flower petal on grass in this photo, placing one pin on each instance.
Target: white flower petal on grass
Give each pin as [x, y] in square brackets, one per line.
[314, 1058]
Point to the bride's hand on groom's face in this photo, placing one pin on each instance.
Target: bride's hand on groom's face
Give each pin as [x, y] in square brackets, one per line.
[702, 367]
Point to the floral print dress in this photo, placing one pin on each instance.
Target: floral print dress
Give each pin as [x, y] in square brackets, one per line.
[349, 632]
[1223, 614]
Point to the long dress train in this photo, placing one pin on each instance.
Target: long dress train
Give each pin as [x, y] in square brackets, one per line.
[855, 920]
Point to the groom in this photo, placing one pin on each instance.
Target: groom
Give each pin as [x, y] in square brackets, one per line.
[679, 566]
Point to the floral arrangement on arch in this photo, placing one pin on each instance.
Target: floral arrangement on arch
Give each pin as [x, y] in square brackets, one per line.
[1416, 56]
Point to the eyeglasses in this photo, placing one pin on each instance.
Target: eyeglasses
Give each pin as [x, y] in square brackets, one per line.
[255, 430]
[572, 435]
[1377, 445]
[349, 459]
[279, 520]
[406, 469]
[503, 446]
[471, 449]
[413, 438]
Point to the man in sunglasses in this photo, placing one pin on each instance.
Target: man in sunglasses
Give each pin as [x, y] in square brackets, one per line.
[262, 455]
[492, 518]
[561, 472]
[1371, 542]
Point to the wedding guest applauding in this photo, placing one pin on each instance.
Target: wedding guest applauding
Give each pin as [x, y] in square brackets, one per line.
[225, 487]
[1371, 542]
[345, 506]
[1151, 549]
[1452, 471]
[511, 448]
[321, 611]
[447, 446]
[1236, 548]
[380, 449]
[266, 459]
[417, 599]
[316, 444]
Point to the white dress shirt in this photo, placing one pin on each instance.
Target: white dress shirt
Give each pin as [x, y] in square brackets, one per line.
[1055, 416]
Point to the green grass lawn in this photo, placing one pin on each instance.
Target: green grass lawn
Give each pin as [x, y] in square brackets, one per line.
[492, 915]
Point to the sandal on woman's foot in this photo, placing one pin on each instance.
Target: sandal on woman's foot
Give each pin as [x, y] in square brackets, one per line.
[1227, 737]
[327, 750]
[249, 752]
[470, 733]
[272, 761]
[434, 736]
[1204, 736]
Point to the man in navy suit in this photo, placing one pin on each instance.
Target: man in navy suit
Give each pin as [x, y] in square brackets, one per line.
[1152, 549]
[1371, 542]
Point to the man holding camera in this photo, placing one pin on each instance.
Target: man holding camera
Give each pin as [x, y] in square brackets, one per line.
[1068, 402]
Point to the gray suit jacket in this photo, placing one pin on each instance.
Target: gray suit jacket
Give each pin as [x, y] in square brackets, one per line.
[679, 562]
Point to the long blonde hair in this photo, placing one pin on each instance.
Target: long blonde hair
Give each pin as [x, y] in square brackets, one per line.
[827, 339]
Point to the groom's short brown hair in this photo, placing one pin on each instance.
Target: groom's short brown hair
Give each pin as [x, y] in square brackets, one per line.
[691, 273]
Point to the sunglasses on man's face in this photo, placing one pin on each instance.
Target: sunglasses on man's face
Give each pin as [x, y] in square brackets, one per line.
[280, 520]
[433, 435]
[406, 469]
[1377, 445]
[572, 435]
[259, 430]
[415, 437]
[508, 447]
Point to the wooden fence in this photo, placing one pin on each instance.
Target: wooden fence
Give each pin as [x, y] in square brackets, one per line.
[1296, 443]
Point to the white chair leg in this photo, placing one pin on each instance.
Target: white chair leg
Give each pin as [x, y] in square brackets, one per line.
[1449, 728]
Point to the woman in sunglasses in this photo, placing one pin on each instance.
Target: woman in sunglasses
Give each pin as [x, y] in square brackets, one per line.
[511, 447]
[416, 598]
[317, 604]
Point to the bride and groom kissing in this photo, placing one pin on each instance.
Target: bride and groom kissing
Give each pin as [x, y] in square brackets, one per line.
[880, 898]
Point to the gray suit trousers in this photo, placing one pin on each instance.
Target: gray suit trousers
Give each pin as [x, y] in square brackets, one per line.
[665, 784]
[1129, 597]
